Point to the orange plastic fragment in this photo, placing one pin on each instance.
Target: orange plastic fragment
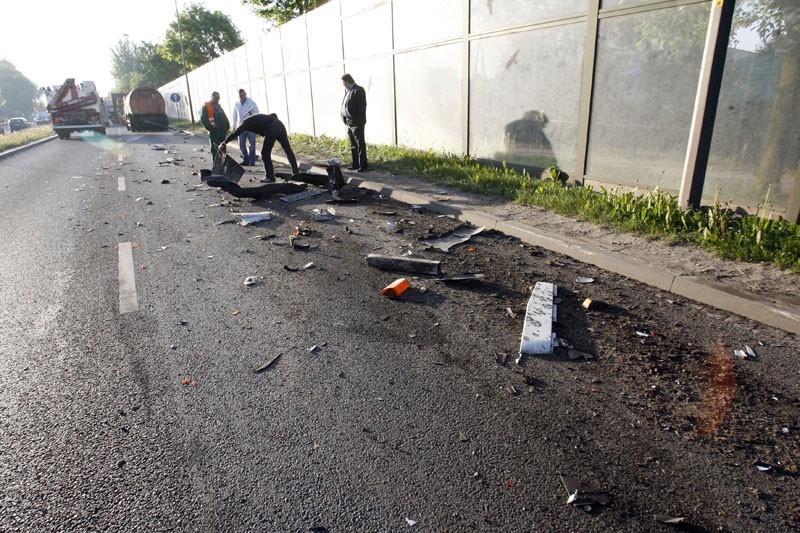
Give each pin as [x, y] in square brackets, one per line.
[396, 288]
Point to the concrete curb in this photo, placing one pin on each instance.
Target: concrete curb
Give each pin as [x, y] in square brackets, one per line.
[12, 151]
[779, 315]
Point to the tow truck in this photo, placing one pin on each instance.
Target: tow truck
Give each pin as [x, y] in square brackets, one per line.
[76, 107]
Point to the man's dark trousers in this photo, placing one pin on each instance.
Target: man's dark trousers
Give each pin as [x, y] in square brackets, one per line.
[277, 132]
[358, 146]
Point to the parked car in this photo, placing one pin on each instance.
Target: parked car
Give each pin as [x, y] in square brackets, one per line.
[18, 123]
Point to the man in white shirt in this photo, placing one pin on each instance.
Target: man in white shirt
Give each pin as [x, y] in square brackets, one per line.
[244, 108]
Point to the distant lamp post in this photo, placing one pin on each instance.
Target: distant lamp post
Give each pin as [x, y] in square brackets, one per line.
[183, 58]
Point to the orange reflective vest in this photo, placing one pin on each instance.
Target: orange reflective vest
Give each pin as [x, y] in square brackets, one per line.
[210, 113]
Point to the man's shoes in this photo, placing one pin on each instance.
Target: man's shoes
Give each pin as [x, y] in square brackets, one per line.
[268, 180]
[245, 163]
[363, 169]
[352, 167]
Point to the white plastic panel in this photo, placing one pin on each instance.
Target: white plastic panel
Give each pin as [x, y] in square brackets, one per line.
[298, 99]
[324, 35]
[444, 19]
[367, 34]
[326, 85]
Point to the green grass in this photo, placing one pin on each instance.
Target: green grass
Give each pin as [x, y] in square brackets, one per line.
[655, 214]
[19, 138]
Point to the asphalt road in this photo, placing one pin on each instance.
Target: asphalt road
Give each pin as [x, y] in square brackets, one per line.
[152, 417]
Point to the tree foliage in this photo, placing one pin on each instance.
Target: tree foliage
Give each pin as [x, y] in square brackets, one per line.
[280, 11]
[206, 36]
[18, 92]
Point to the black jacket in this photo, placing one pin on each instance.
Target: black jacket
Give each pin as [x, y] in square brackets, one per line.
[354, 106]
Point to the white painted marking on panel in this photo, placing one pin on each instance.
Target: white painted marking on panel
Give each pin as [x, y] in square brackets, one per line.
[127, 282]
[121, 183]
[537, 332]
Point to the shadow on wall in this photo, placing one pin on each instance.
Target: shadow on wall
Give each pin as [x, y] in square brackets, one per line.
[525, 142]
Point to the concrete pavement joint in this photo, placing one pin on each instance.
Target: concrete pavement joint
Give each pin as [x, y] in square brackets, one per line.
[778, 315]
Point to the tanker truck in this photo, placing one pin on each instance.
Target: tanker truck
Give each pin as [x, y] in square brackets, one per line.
[76, 107]
[144, 110]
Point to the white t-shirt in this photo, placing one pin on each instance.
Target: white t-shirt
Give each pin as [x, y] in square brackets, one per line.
[242, 110]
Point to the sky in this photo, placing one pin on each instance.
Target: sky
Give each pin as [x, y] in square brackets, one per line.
[49, 41]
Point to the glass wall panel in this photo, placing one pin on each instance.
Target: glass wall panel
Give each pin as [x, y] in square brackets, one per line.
[276, 98]
[324, 35]
[272, 53]
[351, 7]
[429, 98]
[255, 63]
[626, 3]
[755, 148]
[295, 45]
[326, 90]
[376, 78]
[221, 78]
[444, 19]
[525, 96]
[488, 15]
[368, 34]
[298, 100]
[258, 93]
[646, 75]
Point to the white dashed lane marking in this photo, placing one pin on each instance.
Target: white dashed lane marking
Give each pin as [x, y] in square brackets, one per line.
[127, 283]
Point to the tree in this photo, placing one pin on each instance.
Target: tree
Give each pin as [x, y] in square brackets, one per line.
[126, 63]
[777, 24]
[18, 92]
[281, 11]
[206, 36]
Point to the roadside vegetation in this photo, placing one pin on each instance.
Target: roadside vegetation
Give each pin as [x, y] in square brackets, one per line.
[18, 138]
[655, 214]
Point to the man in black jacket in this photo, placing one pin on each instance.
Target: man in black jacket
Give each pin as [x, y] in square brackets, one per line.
[273, 130]
[354, 114]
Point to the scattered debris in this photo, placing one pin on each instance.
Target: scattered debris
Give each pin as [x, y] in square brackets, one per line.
[249, 281]
[501, 358]
[537, 332]
[460, 277]
[252, 218]
[762, 466]
[642, 334]
[290, 269]
[411, 523]
[462, 437]
[308, 265]
[268, 364]
[744, 354]
[671, 520]
[584, 279]
[396, 288]
[295, 245]
[222, 222]
[592, 305]
[510, 312]
[313, 349]
[301, 195]
[322, 216]
[581, 495]
[404, 264]
[457, 236]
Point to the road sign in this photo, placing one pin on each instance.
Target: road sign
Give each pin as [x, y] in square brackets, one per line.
[175, 97]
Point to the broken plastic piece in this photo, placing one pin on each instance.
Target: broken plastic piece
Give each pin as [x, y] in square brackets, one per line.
[584, 279]
[667, 519]
[457, 236]
[537, 332]
[762, 466]
[396, 288]
[581, 495]
[411, 523]
[268, 364]
[249, 281]
[252, 218]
